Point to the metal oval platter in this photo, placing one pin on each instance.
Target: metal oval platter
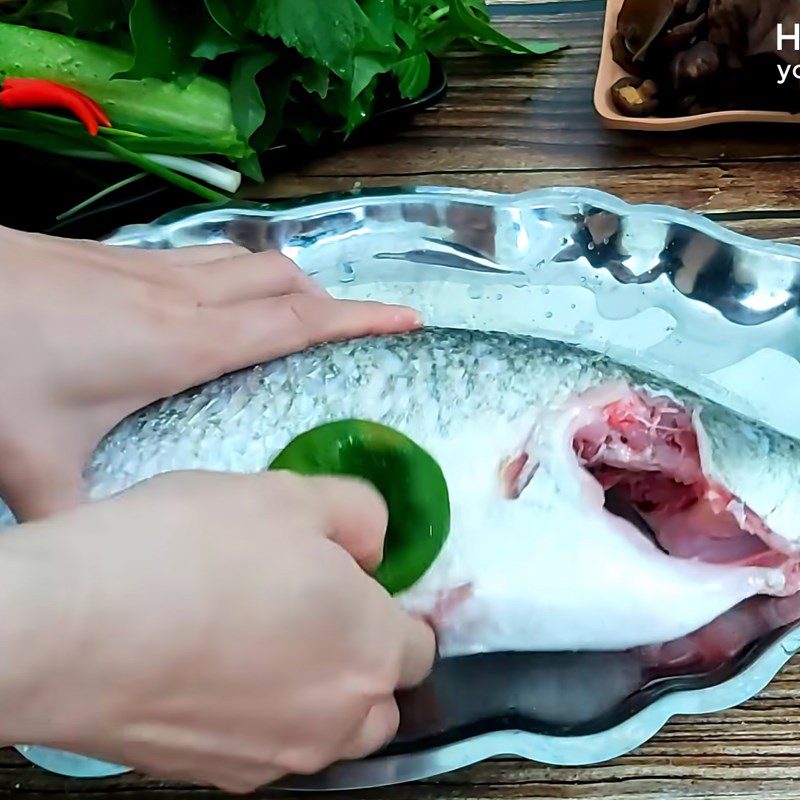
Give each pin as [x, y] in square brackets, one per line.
[663, 289]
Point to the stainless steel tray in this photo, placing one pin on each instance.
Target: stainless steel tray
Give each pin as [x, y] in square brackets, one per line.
[665, 289]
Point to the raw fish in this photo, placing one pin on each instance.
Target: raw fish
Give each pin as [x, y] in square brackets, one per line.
[534, 437]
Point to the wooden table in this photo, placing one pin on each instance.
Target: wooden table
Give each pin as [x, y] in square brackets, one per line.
[509, 126]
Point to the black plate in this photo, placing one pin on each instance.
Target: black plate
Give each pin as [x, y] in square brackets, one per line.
[38, 187]
[553, 694]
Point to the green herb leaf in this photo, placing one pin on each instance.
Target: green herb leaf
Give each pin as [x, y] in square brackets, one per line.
[413, 75]
[360, 109]
[213, 42]
[382, 16]
[275, 93]
[163, 40]
[90, 16]
[474, 23]
[408, 33]
[349, 112]
[250, 167]
[223, 14]
[315, 78]
[440, 39]
[247, 103]
[408, 478]
[365, 68]
[379, 36]
[53, 14]
[540, 48]
[328, 32]
[310, 132]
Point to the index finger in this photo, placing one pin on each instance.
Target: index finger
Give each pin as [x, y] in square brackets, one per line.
[260, 330]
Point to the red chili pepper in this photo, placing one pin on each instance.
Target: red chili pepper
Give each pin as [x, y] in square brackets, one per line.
[33, 93]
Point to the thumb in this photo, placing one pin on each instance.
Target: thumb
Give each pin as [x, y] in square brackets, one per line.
[348, 511]
[352, 513]
[37, 483]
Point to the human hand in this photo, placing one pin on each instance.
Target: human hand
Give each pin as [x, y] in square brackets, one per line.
[90, 333]
[207, 627]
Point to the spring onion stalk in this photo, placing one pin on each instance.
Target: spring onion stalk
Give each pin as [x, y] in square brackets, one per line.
[100, 195]
[55, 143]
[144, 163]
[229, 180]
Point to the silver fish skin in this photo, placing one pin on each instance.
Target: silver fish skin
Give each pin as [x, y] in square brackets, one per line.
[548, 569]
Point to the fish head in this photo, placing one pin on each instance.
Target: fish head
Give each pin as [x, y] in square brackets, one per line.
[540, 558]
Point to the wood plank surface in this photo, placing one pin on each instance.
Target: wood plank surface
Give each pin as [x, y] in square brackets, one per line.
[509, 125]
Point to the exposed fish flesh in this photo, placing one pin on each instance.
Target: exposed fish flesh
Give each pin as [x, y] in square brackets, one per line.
[532, 437]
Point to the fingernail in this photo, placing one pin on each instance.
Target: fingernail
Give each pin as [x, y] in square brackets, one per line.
[415, 318]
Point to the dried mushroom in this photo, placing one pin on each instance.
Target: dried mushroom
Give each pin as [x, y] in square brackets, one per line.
[695, 65]
[707, 55]
[634, 97]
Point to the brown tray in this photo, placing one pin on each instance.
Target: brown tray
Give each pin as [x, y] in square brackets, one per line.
[609, 72]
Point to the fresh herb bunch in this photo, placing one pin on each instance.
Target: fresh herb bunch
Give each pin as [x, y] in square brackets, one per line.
[228, 79]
